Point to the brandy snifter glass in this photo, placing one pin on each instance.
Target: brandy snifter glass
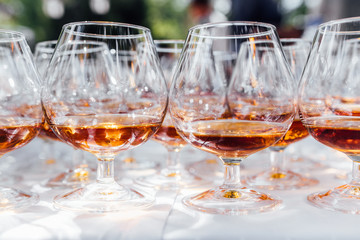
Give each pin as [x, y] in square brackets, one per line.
[237, 118]
[329, 104]
[20, 108]
[279, 176]
[173, 175]
[61, 176]
[42, 55]
[211, 168]
[96, 102]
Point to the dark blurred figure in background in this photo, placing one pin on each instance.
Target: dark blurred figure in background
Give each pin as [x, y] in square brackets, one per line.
[128, 11]
[256, 10]
[329, 10]
[170, 19]
[43, 19]
[267, 11]
[202, 11]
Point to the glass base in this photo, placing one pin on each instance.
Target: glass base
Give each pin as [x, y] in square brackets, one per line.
[130, 163]
[239, 201]
[208, 169]
[133, 160]
[168, 180]
[345, 198]
[280, 180]
[73, 177]
[305, 164]
[11, 199]
[9, 179]
[9, 168]
[103, 197]
[49, 166]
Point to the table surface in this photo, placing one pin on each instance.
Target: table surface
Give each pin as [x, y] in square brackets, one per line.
[168, 218]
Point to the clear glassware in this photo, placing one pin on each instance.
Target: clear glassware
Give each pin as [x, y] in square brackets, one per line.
[232, 119]
[211, 168]
[80, 173]
[49, 154]
[279, 176]
[173, 175]
[96, 102]
[20, 112]
[128, 162]
[42, 55]
[133, 165]
[329, 104]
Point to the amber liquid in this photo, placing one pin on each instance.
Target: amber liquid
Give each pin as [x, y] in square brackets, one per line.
[46, 132]
[16, 136]
[346, 107]
[35, 111]
[341, 133]
[296, 132]
[106, 134]
[267, 111]
[233, 138]
[169, 136]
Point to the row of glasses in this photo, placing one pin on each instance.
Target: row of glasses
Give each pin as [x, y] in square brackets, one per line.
[172, 176]
[95, 100]
[85, 105]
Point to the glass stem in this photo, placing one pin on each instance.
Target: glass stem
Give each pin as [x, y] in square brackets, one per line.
[277, 159]
[356, 173]
[172, 162]
[232, 177]
[105, 170]
[78, 158]
[45, 154]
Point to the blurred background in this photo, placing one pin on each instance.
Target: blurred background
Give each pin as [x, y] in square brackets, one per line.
[170, 19]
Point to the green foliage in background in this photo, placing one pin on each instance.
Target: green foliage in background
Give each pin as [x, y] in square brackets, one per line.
[26, 16]
[296, 17]
[165, 18]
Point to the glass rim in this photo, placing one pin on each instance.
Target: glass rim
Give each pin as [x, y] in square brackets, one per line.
[323, 27]
[169, 49]
[294, 40]
[169, 41]
[271, 29]
[45, 43]
[11, 35]
[96, 46]
[269, 44]
[106, 23]
[43, 46]
[298, 43]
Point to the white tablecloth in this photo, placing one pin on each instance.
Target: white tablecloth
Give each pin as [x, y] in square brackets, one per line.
[168, 218]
